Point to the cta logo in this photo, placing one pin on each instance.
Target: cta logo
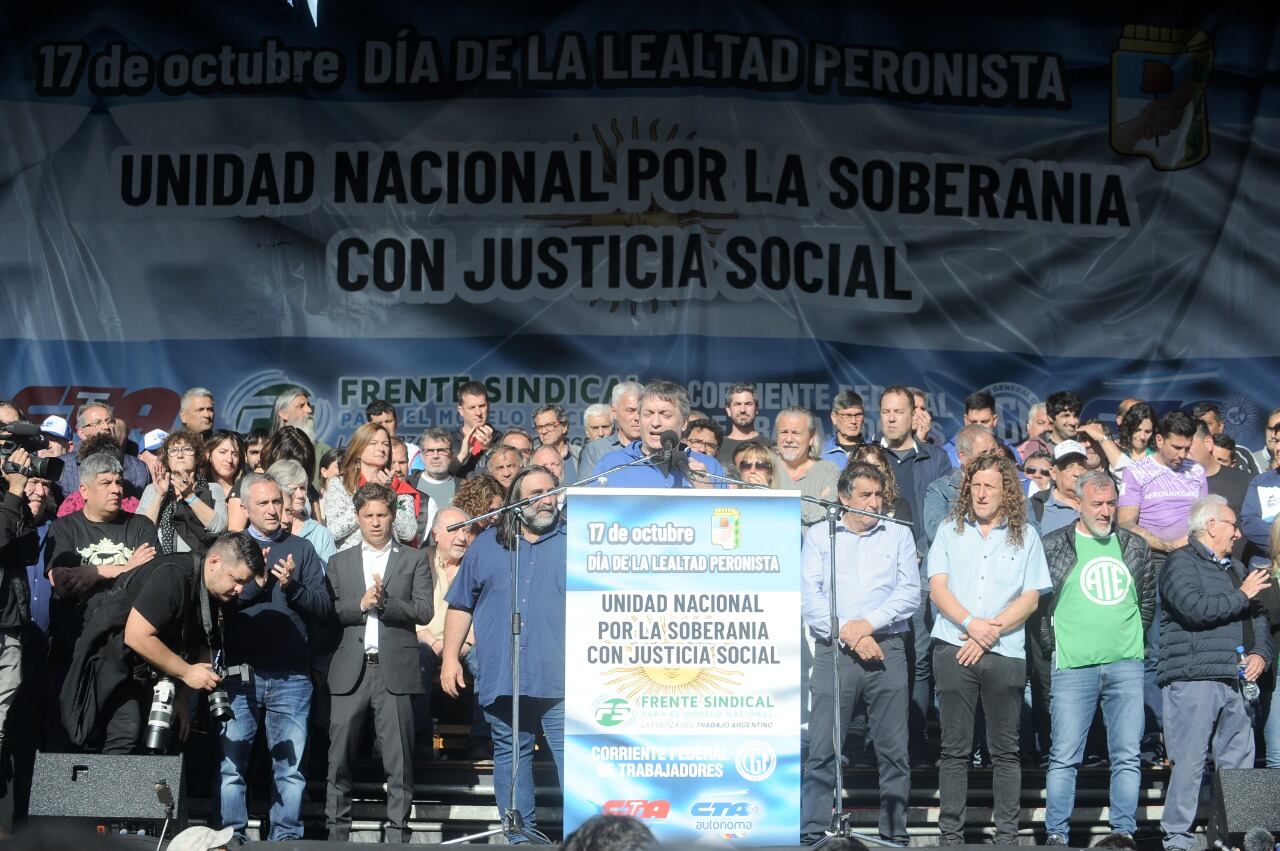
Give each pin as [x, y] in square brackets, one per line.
[755, 760]
[612, 712]
[638, 808]
[724, 809]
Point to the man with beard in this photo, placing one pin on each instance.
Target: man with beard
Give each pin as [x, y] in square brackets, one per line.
[664, 407]
[481, 595]
[626, 414]
[741, 408]
[796, 432]
[293, 407]
[1104, 594]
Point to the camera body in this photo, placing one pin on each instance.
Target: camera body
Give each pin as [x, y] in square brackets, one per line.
[219, 701]
[22, 435]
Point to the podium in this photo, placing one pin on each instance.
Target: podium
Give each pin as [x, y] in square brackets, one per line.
[682, 662]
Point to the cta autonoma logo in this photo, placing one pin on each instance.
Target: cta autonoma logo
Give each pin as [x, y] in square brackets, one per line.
[731, 818]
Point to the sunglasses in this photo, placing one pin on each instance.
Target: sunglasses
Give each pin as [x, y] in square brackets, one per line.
[755, 465]
[1275, 428]
[1036, 471]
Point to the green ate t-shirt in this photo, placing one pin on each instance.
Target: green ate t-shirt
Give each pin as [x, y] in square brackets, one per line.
[1097, 619]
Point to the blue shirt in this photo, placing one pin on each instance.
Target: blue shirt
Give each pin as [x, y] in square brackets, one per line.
[482, 586]
[1056, 515]
[987, 574]
[38, 580]
[876, 577]
[832, 452]
[648, 475]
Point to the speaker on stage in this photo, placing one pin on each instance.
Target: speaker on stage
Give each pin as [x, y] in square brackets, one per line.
[111, 794]
[1244, 798]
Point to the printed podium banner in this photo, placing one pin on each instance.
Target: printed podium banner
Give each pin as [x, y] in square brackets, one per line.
[682, 662]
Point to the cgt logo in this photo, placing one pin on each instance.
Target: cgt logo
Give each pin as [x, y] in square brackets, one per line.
[143, 409]
[638, 808]
[723, 809]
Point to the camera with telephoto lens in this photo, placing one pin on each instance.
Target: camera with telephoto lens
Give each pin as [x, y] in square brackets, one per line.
[219, 702]
[160, 718]
[27, 436]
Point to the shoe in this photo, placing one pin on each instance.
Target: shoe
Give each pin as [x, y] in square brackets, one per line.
[1056, 839]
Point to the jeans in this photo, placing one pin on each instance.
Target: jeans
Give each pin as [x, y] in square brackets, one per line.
[997, 681]
[283, 700]
[883, 686]
[1075, 697]
[536, 713]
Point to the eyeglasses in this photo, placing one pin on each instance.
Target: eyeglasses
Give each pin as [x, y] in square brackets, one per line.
[850, 416]
[754, 465]
[1235, 524]
[1036, 471]
[546, 426]
[99, 423]
[444, 451]
[180, 451]
[707, 447]
[1274, 427]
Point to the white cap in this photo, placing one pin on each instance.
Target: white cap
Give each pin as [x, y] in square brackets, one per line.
[154, 439]
[1064, 450]
[201, 839]
[56, 427]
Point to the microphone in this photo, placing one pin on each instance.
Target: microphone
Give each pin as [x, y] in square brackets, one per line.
[165, 796]
[670, 448]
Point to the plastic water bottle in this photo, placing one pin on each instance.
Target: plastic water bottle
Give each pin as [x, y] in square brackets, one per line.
[1248, 689]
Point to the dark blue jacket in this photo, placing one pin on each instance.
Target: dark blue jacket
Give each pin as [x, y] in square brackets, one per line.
[1203, 614]
[1255, 521]
[270, 627]
[913, 475]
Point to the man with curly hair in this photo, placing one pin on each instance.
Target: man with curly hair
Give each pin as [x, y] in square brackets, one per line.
[986, 573]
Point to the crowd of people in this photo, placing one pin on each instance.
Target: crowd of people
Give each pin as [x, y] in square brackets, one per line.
[1114, 574]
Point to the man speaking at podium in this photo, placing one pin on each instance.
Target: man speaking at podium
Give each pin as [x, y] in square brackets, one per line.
[877, 592]
[664, 410]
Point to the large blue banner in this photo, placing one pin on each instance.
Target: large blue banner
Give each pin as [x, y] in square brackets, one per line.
[682, 662]
[381, 201]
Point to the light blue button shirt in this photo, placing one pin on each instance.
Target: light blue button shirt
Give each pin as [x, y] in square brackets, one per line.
[877, 577]
[986, 575]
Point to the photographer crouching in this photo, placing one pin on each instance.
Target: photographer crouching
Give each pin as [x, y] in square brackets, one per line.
[157, 628]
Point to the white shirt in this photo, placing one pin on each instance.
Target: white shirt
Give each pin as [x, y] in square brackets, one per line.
[374, 561]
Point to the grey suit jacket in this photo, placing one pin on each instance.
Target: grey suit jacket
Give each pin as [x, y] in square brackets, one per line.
[407, 583]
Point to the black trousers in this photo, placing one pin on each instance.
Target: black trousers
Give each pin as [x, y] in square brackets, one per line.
[393, 725]
[122, 717]
[998, 681]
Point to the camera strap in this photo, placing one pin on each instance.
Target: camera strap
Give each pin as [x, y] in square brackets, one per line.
[206, 615]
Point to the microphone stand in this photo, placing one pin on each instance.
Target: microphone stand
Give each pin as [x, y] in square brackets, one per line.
[512, 823]
[835, 511]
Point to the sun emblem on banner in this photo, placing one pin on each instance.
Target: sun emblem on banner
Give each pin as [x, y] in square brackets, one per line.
[636, 680]
[654, 216]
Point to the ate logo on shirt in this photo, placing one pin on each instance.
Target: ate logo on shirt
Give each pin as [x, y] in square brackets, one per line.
[1105, 581]
[106, 551]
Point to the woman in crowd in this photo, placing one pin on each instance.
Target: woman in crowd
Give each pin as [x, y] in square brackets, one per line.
[1134, 441]
[478, 495]
[754, 463]
[225, 451]
[292, 444]
[189, 511]
[368, 459]
[1038, 468]
[296, 485]
[330, 466]
[877, 456]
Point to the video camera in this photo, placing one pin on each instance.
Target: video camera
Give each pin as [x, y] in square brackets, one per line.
[22, 435]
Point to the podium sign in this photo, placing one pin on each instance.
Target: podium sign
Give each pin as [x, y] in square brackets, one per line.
[682, 662]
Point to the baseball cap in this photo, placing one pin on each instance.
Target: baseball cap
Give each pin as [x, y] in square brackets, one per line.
[201, 839]
[1063, 452]
[154, 439]
[56, 427]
